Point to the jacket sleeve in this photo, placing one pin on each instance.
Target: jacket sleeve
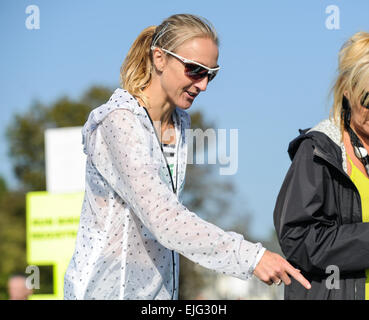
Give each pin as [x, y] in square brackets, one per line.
[307, 222]
[123, 157]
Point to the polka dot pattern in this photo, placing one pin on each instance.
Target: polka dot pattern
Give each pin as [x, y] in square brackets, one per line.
[133, 225]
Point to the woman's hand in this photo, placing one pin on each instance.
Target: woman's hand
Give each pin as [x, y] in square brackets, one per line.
[272, 268]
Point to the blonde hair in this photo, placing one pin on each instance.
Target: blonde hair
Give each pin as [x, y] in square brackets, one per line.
[353, 74]
[135, 72]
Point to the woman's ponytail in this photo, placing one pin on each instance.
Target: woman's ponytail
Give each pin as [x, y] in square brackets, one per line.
[135, 73]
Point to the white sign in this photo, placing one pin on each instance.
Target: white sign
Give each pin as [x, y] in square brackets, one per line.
[65, 160]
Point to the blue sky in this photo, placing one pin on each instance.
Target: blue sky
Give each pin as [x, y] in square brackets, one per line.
[278, 63]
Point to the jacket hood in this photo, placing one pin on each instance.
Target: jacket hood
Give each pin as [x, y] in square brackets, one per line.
[295, 143]
[120, 99]
[326, 136]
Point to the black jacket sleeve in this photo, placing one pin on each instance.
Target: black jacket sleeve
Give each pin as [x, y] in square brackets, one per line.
[308, 225]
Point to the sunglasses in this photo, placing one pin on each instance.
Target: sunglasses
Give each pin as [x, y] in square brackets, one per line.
[194, 70]
[365, 96]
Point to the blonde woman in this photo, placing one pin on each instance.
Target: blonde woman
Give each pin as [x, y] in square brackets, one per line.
[323, 206]
[133, 225]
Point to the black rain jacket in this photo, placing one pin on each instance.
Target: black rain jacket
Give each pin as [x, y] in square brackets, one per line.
[318, 219]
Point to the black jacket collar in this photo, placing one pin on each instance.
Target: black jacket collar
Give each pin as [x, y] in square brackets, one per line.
[323, 146]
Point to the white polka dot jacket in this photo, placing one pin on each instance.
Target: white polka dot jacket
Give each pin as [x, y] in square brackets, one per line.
[133, 224]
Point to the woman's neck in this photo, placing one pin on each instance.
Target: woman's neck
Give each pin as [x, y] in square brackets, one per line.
[364, 138]
[160, 111]
[159, 108]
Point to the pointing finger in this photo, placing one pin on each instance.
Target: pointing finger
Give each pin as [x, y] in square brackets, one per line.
[298, 276]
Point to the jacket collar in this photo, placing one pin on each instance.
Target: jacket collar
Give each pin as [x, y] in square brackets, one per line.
[122, 99]
[327, 142]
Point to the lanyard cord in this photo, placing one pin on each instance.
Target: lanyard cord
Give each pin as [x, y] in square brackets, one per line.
[174, 190]
[359, 149]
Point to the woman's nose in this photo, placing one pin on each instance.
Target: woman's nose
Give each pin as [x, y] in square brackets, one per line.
[202, 84]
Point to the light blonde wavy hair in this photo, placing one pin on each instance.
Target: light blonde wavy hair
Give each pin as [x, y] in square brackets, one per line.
[353, 74]
[137, 67]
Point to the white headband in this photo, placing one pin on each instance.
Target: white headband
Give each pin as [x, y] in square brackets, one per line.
[159, 35]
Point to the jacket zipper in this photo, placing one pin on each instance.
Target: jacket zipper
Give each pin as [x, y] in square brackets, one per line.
[173, 187]
[176, 188]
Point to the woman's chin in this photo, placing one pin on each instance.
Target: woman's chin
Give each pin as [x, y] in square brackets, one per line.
[184, 107]
[185, 104]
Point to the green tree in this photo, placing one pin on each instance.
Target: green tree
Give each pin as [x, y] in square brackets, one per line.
[212, 198]
[12, 237]
[26, 133]
[3, 187]
[26, 140]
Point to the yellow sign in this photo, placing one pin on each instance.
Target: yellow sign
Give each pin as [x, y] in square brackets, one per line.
[52, 225]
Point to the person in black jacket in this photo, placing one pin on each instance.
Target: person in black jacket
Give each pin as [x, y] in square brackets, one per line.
[323, 205]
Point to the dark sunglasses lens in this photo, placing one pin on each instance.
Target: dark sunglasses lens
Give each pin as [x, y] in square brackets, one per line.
[195, 72]
[365, 97]
[212, 76]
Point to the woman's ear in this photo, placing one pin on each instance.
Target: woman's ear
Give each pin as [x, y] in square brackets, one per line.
[346, 100]
[159, 59]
